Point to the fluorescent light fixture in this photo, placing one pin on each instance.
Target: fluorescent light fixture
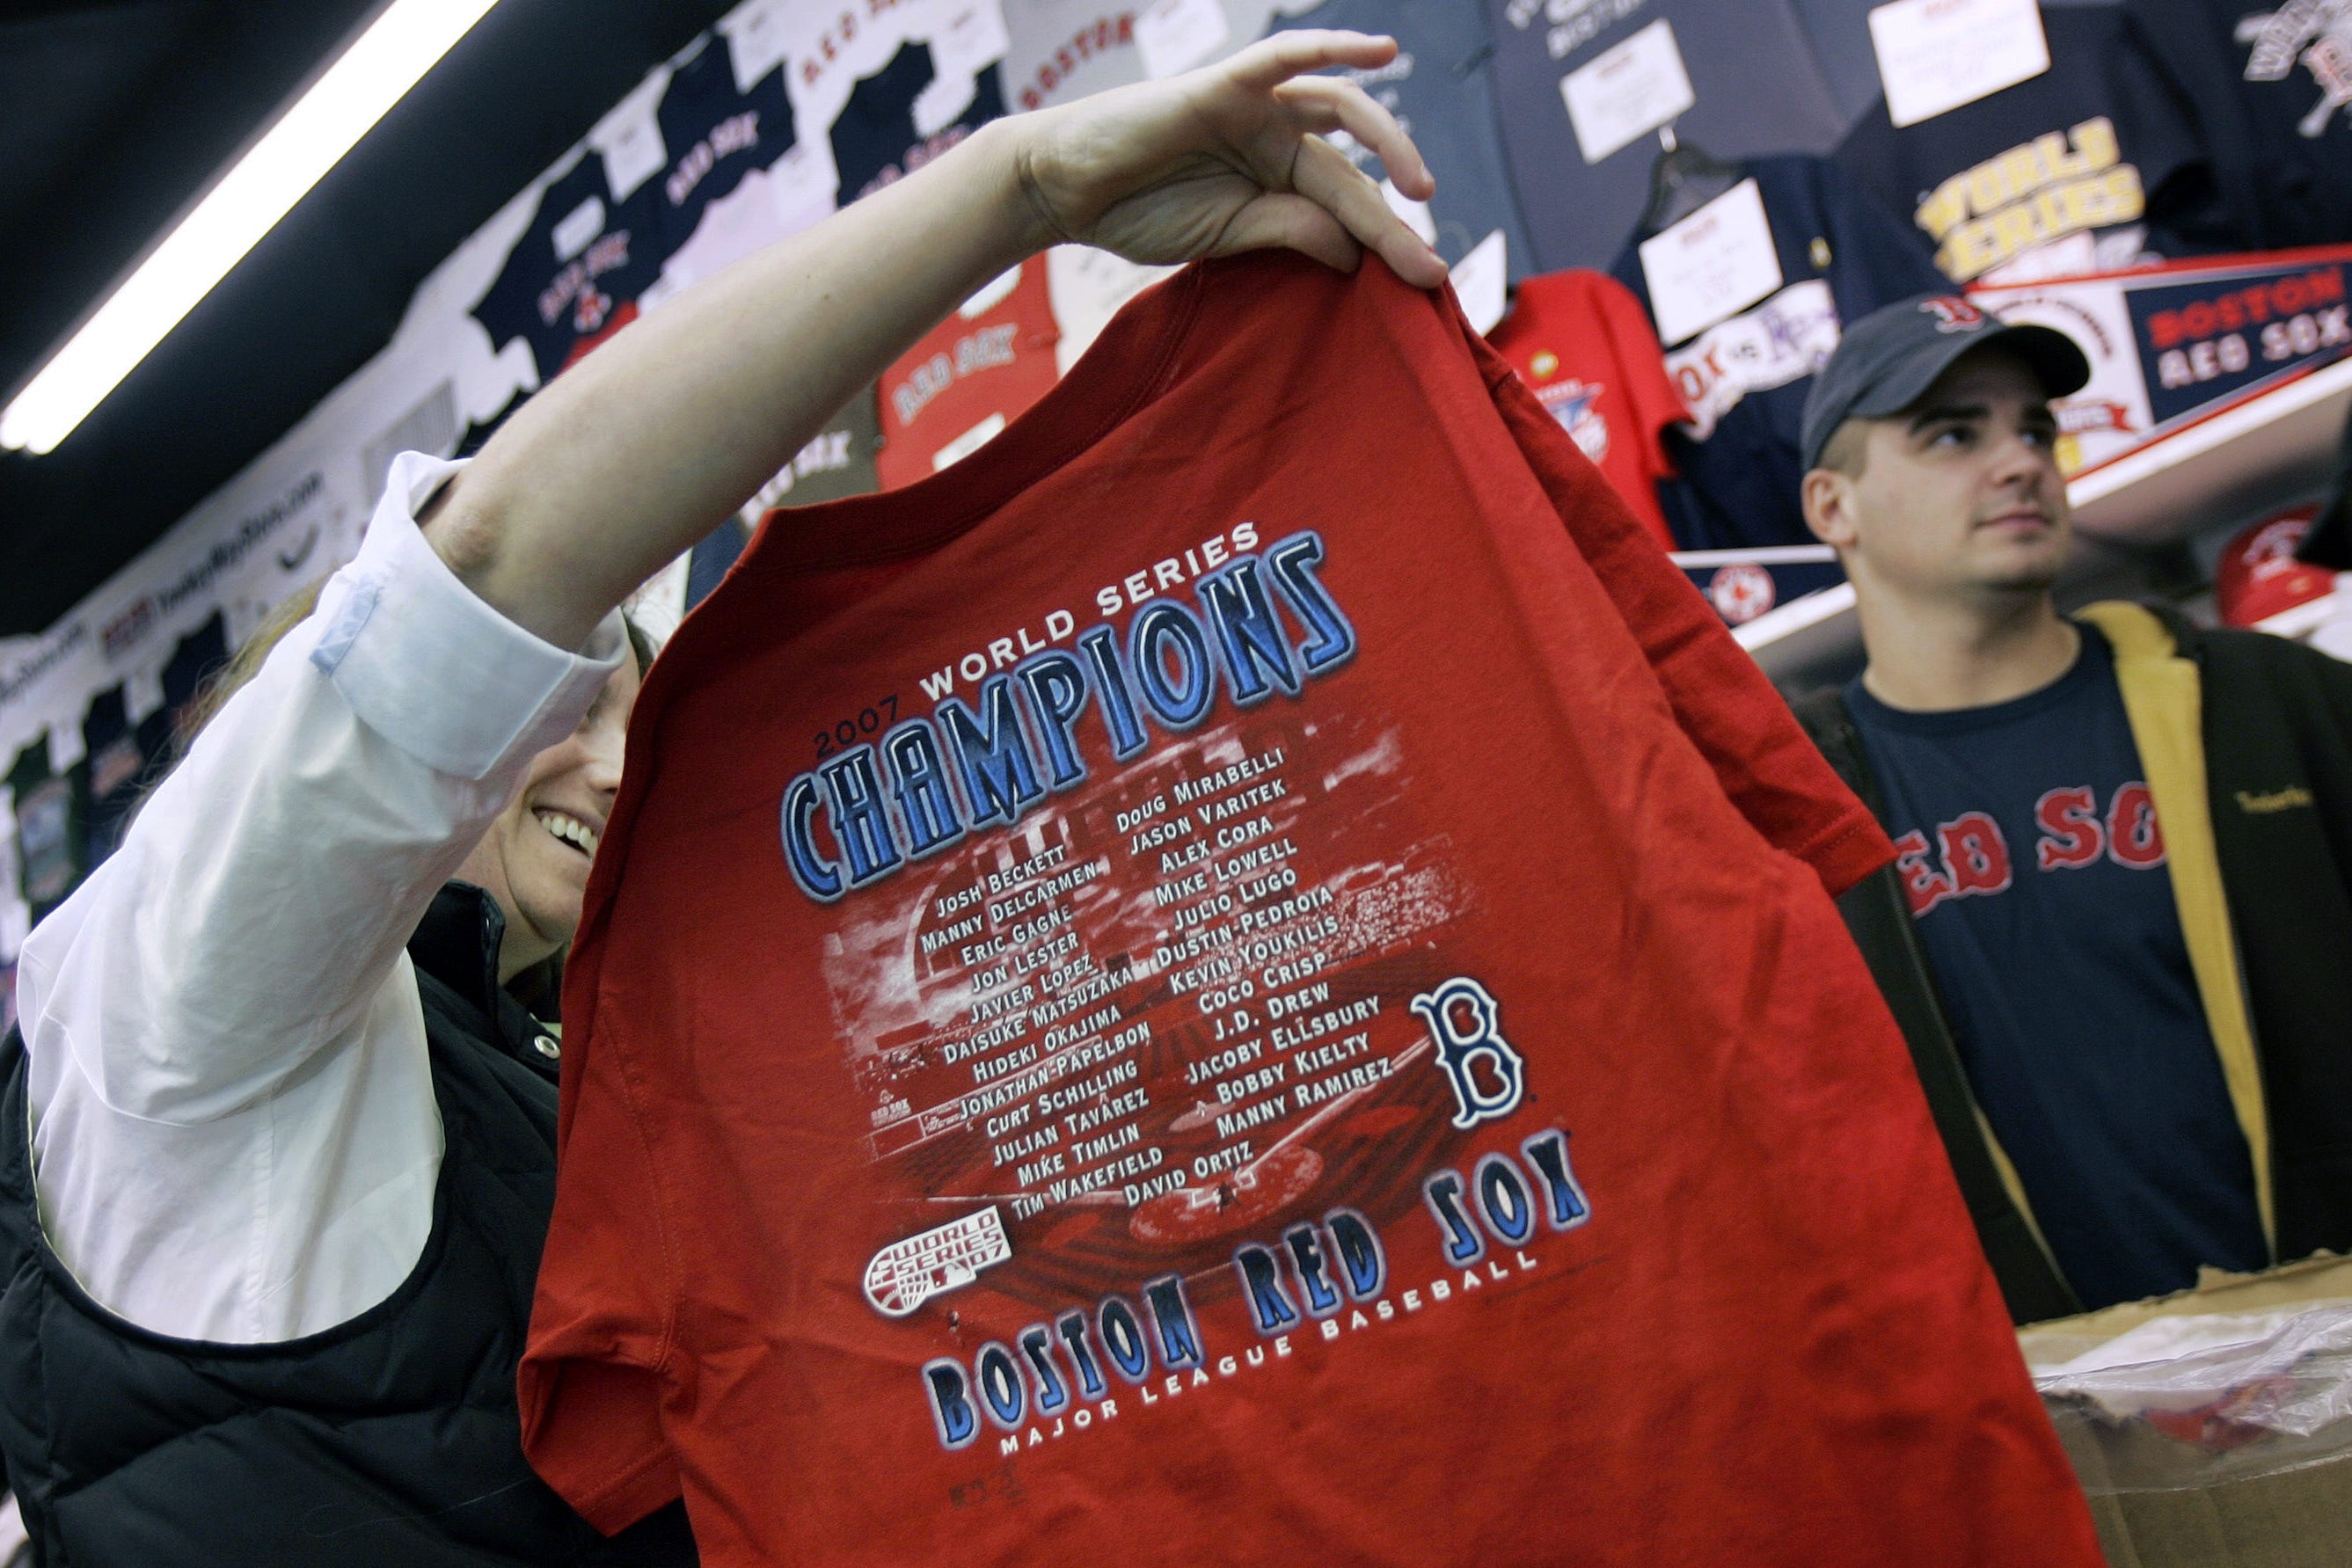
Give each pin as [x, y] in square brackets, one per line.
[262, 187]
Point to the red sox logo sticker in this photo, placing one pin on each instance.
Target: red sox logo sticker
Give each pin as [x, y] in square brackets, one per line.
[1741, 592]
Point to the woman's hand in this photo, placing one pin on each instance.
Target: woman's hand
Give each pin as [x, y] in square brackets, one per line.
[1231, 158]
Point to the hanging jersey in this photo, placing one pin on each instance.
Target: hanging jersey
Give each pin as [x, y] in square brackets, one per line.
[2269, 89]
[1170, 1127]
[2033, 862]
[1441, 89]
[1582, 345]
[2046, 179]
[886, 133]
[968, 378]
[1579, 210]
[573, 279]
[714, 135]
[1745, 379]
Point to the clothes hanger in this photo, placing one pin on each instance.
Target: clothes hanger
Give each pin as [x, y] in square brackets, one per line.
[1682, 180]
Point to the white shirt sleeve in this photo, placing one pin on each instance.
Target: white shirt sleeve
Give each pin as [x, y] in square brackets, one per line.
[235, 1135]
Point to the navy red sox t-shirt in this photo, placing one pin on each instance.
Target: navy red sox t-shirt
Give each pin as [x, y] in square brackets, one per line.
[713, 135]
[573, 279]
[1183, 992]
[2269, 87]
[1441, 89]
[876, 139]
[2049, 178]
[2029, 847]
[1755, 87]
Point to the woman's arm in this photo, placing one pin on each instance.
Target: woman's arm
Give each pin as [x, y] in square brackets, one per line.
[650, 443]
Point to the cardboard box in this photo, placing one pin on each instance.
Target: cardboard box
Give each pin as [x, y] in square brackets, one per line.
[2245, 1501]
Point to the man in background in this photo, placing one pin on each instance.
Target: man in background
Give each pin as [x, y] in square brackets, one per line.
[2118, 931]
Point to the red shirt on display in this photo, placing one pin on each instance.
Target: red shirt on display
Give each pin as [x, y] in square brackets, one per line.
[969, 377]
[1196, 993]
[1583, 345]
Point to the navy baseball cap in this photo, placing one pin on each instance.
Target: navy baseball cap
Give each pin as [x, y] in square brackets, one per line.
[1886, 360]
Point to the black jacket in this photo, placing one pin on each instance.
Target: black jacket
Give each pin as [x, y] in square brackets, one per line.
[389, 1442]
[2268, 723]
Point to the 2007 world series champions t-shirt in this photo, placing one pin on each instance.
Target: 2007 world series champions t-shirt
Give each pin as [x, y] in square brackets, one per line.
[1187, 991]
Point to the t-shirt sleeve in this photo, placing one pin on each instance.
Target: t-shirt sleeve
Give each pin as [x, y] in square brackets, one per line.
[593, 1376]
[1775, 775]
[1648, 389]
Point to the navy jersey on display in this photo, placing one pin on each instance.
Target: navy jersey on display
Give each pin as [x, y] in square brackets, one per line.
[2029, 849]
[876, 139]
[2268, 87]
[52, 852]
[713, 135]
[1441, 89]
[1744, 379]
[121, 754]
[1756, 89]
[2048, 178]
[575, 277]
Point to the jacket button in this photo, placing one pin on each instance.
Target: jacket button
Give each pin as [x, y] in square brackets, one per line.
[547, 1047]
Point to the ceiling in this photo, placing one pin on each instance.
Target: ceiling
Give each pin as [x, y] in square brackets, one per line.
[115, 117]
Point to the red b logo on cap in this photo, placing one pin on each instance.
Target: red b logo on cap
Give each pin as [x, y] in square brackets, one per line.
[1953, 314]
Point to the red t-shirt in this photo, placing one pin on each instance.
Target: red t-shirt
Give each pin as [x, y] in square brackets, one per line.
[969, 377]
[1582, 344]
[1378, 1098]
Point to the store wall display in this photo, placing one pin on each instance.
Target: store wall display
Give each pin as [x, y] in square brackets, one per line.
[2047, 178]
[748, 135]
[1641, 59]
[2270, 90]
[1579, 342]
[1838, 255]
[1202, 1078]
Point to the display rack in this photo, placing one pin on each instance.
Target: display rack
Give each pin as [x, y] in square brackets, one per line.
[2273, 450]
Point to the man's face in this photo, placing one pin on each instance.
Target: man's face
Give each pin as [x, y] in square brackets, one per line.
[534, 858]
[1960, 493]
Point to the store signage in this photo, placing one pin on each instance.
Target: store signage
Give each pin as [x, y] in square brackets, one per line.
[2172, 345]
[1623, 93]
[2204, 341]
[1937, 54]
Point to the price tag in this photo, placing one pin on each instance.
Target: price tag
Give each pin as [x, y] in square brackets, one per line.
[1937, 54]
[1622, 94]
[1714, 264]
[972, 38]
[943, 101]
[143, 694]
[1175, 36]
[576, 228]
[1478, 282]
[804, 184]
[631, 142]
[970, 442]
[759, 36]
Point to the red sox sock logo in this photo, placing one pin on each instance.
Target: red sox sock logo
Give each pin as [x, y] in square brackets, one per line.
[1465, 1025]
